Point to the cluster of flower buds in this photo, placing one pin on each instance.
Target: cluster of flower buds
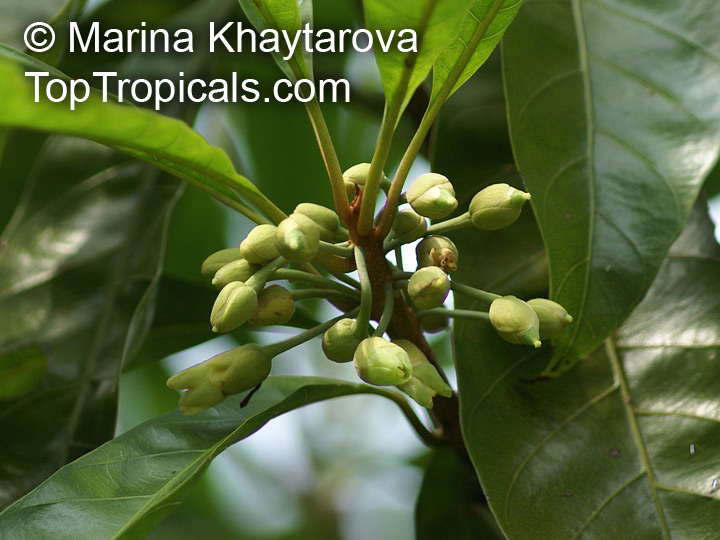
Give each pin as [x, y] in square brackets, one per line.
[305, 248]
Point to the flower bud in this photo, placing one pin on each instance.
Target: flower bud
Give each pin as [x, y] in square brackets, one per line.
[297, 238]
[409, 225]
[379, 362]
[425, 382]
[339, 342]
[275, 306]
[437, 251]
[239, 270]
[326, 220]
[240, 369]
[233, 307]
[497, 206]
[432, 195]
[357, 174]
[515, 321]
[231, 372]
[552, 316]
[259, 246]
[217, 260]
[428, 287]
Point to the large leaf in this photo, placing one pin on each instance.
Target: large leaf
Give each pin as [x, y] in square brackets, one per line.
[127, 486]
[615, 119]
[623, 445]
[78, 262]
[290, 17]
[477, 37]
[165, 142]
[435, 23]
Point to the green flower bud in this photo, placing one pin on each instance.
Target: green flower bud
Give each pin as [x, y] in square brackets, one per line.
[259, 246]
[437, 251]
[339, 342]
[515, 321]
[409, 225]
[240, 369]
[357, 174]
[497, 206]
[428, 287]
[275, 306]
[379, 362]
[233, 307]
[435, 323]
[297, 238]
[231, 372]
[327, 221]
[425, 382]
[552, 316]
[239, 270]
[432, 195]
[217, 260]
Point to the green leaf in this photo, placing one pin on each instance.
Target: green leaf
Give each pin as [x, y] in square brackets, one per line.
[450, 503]
[21, 370]
[615, 121]
[289, 16]
[78, 263]
[127, 486]
[16, 16]
[477, 37]
[626, 440]
[435, 23]
[165, 142]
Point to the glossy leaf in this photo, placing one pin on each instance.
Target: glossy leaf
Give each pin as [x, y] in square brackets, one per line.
[165, 142]
[289, 16]
[477, 37]
[78, 262]
[625, 442]
[127, 486]
[615, 121]
[435, 23]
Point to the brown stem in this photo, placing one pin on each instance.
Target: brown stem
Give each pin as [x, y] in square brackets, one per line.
[404, 324]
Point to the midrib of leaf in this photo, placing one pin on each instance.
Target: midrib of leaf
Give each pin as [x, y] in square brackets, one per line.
[590, 134]
[619, 375]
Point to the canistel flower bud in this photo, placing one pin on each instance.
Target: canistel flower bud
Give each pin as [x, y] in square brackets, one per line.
[327, 221]
[357, 174]
[437, 251]
[428, 287]
[240, 369]
[339, 342]
[379, 362]
[275, 306]
[259, 246]
[432, 195]
[497, 206]
[217, 260]
[231, 372]
[233, 307]
[425, 382]
[552, 316]
[239, 270]
[515, 321]
[409, 225]
[297, 238]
